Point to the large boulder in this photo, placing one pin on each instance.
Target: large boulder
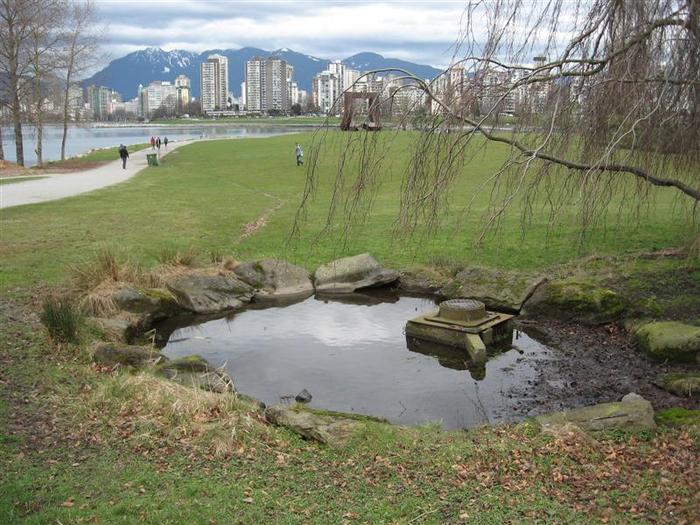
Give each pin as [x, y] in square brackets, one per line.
[124, 328]
[669, 340]
[328, 429]
[157, 304]
[111, 354]
[632, 413]
[497, 289]
[681, 384]
[207, 294]
[194, 371]
[577, 300]
[422, 281]
[275, 278]
[352, 273]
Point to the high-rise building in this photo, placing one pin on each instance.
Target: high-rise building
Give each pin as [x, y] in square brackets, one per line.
[100, 99]
[214, 83]
[267, 85]
[157, 95]
[184, 93]
[326, 89]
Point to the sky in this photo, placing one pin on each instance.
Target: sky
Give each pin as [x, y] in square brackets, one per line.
[419, 31]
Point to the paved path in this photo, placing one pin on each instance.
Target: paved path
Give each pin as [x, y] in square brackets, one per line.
[55, 187]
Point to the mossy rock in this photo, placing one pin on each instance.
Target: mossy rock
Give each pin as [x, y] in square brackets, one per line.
[577, 300]
[110, 354]
[327, 429]
[497, 289]
[669, 340]
[677, 417]
[681, 384]
[189, 363]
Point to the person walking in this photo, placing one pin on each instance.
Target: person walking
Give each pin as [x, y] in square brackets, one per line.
[158, 144]
[124, 154]
[153, 142]
[299, 152]
[165, 142]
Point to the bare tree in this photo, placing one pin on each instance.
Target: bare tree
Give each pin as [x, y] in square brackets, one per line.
[594, 101]
[16, 19]
[44, 45]
[81, 40]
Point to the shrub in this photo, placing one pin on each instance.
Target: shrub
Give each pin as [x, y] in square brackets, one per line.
[63, 319]
[174, 257]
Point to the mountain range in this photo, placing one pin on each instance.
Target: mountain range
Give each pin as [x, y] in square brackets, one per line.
[144, 66]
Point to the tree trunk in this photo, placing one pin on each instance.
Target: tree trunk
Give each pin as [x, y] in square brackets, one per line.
[16, 109]
[66, 101]
[39, 120]
[2, 150]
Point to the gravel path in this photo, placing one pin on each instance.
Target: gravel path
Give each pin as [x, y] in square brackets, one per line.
[53, 187]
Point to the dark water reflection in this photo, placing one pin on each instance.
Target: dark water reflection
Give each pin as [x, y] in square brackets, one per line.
[352, 356]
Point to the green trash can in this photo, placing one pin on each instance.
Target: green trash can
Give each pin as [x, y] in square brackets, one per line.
[152, 159]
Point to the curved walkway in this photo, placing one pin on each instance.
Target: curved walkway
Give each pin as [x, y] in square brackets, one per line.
[54, 187]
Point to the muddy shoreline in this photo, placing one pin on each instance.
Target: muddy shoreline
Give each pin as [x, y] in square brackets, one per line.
[595, 364]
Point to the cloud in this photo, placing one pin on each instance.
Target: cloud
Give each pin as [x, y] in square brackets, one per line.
[420, 31]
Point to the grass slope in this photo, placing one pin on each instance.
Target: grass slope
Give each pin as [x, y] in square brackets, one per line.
[203, 196]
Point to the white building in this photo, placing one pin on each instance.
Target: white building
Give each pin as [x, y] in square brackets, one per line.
[267, 85]
[157, 95]
[326, 89]
[214, 83]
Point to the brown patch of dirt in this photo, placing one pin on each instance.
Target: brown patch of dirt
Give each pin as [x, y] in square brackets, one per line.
[254, 226]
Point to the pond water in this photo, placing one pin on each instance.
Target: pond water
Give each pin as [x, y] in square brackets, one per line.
[352, 356]
[84, 138]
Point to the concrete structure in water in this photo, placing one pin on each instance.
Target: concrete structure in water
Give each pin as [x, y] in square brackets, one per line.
[463, 323]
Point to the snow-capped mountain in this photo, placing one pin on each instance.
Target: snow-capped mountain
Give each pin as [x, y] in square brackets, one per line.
[141, 67]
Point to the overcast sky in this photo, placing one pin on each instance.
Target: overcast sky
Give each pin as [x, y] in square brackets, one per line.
[421, 32]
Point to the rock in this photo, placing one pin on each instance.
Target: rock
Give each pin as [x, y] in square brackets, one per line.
[122, 329]
[275, 278]
[681, 384]
[303, 397]
[206, 294]
[422, 281]
[110, 354]
[196, 372]
[669, 340]
[580, 301]
[632, 413]
[352, 273]
[189, 363]
[334, 431]
[156, 303]
[497, 289]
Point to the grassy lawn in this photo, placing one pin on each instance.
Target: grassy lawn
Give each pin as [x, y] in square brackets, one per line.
[101, 155]
[203, 195]
[80, 444]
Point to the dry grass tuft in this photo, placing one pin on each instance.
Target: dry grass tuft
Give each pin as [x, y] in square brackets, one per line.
[154, 412]
[170, 256]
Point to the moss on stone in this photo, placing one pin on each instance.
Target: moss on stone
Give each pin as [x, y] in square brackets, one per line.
[681, 384]
[189, 363]
[669, 340]
[585, 301]
[677, 417]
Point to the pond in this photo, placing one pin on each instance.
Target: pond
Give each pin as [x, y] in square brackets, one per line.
[352, 355]
[84, 138]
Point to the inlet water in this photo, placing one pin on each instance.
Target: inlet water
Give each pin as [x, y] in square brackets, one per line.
[353, 357]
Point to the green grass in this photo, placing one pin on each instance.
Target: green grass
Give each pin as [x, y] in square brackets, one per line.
[101, 155]
[17, 180]
[203, 194]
